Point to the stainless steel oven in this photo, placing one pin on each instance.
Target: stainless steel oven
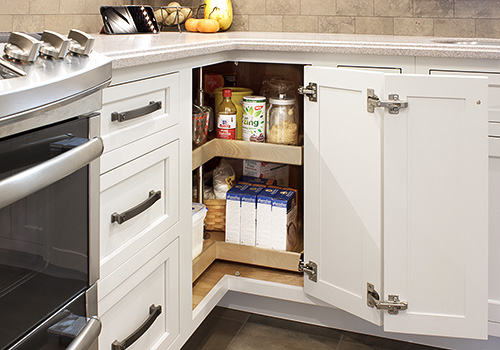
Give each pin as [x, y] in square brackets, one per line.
[49, 190]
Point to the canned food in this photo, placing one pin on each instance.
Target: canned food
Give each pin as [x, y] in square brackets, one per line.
[254, 119]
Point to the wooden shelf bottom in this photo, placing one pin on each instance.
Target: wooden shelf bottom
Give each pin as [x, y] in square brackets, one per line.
[218, 269]
[215, 248]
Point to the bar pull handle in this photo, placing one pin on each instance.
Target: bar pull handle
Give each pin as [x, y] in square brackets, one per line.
[87, 335]
[136, 113]
[154, 196]
[154, 312]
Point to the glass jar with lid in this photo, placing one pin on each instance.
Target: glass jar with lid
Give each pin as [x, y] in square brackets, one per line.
[282, 121]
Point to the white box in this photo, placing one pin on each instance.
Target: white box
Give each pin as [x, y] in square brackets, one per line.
[264, 212]
[278, 172]
[233, 204]
[248, 214]
[284, 233]
[198, 211]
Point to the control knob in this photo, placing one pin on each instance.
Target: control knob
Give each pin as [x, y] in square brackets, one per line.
[22, 47]
[81, 42]
[54, 44]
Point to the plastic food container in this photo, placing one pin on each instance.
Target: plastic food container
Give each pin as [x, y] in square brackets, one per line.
[199, 211]
[201, 116]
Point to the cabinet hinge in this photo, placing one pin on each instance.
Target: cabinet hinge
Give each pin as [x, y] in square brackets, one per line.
[394, 104]
[310, 268]
[393, 305]
[311, 91]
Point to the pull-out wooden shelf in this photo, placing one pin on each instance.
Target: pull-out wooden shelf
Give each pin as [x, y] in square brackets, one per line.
[265, 152]
[215, 248]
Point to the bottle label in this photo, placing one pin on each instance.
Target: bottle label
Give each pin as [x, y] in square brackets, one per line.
[254, 121]
[226, 126]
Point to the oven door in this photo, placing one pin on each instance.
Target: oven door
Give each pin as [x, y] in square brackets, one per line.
[46, 235]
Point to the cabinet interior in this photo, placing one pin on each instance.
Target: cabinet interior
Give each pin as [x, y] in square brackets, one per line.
[219, 258]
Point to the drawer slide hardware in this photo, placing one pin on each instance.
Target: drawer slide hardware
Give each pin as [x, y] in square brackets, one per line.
[394, 104]
[311, 91]
[393, 305]
[310, 268]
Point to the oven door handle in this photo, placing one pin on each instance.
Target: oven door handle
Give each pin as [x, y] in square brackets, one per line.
[87, 336]
[42, 175]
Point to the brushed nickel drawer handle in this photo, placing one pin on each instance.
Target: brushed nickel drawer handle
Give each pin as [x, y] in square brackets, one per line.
[154, 196]
[136, 113]
[154, 312]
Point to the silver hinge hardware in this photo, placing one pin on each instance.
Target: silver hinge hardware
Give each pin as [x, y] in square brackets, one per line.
[311, 91]
[393, 305]
[394, 104]
[310, 268]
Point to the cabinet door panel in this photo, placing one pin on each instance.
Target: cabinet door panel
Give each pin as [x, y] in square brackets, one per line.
[343, 189]
[435, 206]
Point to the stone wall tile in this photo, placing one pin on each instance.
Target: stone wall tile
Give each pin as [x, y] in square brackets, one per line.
[433, 8]
[245, 7]
[459, 28]
[265, 23]
[477, 9]
[5, 23]
[414, 26]
[240, 23]
[87, 23]
[398, 8]
[488, 28]
[375, 25]
[73, 7]
[32, 23]
[300, 24]
[341, 25]
[14, 7]
[318, 7]
[282, 7]
[41, 7]
[355, 7]
[59, 23]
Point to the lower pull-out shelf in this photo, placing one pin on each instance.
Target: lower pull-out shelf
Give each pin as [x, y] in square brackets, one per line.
[219, 258]
[219, 268]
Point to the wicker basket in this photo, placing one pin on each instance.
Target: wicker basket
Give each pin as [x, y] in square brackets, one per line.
[216, 215]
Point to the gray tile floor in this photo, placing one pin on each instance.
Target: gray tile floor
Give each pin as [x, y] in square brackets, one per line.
[226, 329]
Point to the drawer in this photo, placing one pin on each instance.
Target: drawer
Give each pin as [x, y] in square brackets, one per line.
[494, 146]
[142, 118]
[147, 187]
[125, 304]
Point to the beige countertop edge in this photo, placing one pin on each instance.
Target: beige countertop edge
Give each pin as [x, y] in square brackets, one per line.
[132, 57]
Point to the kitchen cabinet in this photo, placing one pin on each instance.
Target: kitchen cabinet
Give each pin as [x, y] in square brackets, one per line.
[383, 193]
[398, 201]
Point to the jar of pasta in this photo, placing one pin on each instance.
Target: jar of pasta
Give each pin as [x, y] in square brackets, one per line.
[282, 121]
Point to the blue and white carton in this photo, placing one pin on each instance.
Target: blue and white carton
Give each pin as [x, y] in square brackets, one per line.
[264, 212]
[233, 207]
[248, 214]
[284, 235]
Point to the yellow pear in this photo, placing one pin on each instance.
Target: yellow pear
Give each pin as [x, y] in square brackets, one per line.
[221, 11]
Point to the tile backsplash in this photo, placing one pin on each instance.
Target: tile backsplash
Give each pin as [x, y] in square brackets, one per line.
[448, 18]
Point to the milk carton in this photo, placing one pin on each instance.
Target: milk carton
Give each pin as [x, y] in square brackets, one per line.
[264, 211]
[257, 180]
[248, 214]
[233, 206]
[284, 235]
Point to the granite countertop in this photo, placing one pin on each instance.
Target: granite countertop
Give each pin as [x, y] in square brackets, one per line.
[136, 49]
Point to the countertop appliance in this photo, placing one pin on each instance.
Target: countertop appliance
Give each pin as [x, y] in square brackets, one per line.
[50, 89]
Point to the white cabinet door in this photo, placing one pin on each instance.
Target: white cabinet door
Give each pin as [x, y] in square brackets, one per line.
[405, 194]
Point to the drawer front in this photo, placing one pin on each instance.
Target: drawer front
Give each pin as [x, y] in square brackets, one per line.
[127, 305]
[133, 189]
[141, 118]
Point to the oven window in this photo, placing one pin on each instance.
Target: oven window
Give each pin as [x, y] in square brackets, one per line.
[43, 237]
